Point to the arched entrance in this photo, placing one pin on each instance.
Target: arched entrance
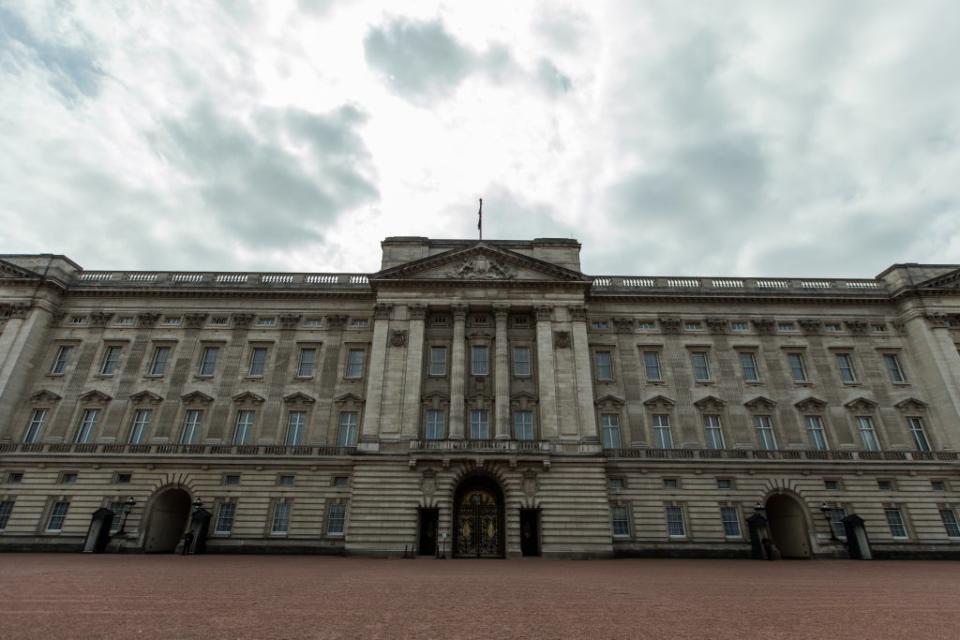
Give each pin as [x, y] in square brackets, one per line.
[478, 530]
[167, 520]
[788, 526]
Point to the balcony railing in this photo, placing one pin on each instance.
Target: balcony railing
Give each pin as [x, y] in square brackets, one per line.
[194, 279]
[651, 284]
[177, 449]
[521, 446]
[780, 454]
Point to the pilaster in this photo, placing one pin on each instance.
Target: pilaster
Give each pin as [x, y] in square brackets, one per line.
[546, 373]
[457, 372]
[502, 371]
[375, 374]
[584, 379]
[414, 371]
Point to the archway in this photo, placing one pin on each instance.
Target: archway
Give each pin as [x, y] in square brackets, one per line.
[788, 526]
[478, 529]
[167, 521]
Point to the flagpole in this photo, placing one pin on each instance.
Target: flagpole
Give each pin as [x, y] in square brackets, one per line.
[480, 219]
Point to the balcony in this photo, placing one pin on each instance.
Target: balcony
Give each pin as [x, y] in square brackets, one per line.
[503, 446]
[176, 450]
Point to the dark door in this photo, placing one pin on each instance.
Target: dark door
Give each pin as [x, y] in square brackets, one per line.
[478, 526]
[429, 519]
[530, 532]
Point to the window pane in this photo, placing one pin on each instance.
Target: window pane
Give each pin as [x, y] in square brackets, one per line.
[868, 436]
[949, 517]
[296, 424]
[845, 365]
[521, 361]
[61, 360]
[675, 526]
[191, 426]
[893, 367]
[765, 435]
[347, 436]
[88, 422]
[621, 521]
[244, 427]
[354, 363]
[57, 515]
[308, 360]
[434, 427]
[335, 518]
[258, 361]
[919, 436]
[479, 361]
[438, 361]
[281, 518]
[523, 425]
[662, 436]
[837, 514]
[158, 366]
[208, 362]
[610, 430]
[35, 426]
[225, 517]
[818, 440]
[701, 367]
[712, 431]
[479, 425]
[111, 358]
[141, 422]
[797, 369]
[731, 522]
[748, 363]
[651, 365]
[604, 362]
[895, 521]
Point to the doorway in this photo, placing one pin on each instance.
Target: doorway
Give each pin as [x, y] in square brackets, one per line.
[168, 521]
[788, 526]
[478, 519]
[427, 538]
[530, 532]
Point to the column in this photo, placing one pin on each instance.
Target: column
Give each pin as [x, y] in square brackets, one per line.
[22, 341]
[581, 355]
[458, 372]
[413, 374]
[545, 373]
[502, 371]
[374, 399]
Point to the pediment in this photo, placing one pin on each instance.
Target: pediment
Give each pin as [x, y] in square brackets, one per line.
[146, 397]
[196, 396]
[949, 280]
[911, 404]
[299, 397]
[659, 401]
[480, 263]
[10, 270]
[709, 403]
[861, 404]
[45, 395]
[248, 396]
[524, 395]
[760, 402]
[348, 398]
[811, 403]
[95, 396]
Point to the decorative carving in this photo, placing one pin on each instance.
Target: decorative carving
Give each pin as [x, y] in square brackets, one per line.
[299, 398]
[248, 397]
[760, 403]
[670, 324]
[811, 405]
[810, 327]
[196, 397]
[763, 325]
[578, 313]
[609, 401]
[660, 402]
[710, 403]
[856, 327]
[242, 320]
[937, 320]
[561, 339]
[459, 312]
[95, 396]
[398, 337]
[501, 311]
[716, 325]
[348, 399]
[289, 320]
[912, 405]
[530, 483]
[14, 311]
[544, 313]
[428, 482]
[45, 395]
[381, 311]
[417, 311]
[145, 397]
[147, 320]
[624, 325]
[194, 320]
[482, 268]
[336, 322]
[100, 318]
[861, 404]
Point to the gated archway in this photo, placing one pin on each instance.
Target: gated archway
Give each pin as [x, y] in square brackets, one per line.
[167, 517]
[788, 525]
[478, 530]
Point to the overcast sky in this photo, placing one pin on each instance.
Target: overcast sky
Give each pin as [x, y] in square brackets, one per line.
[690, 138]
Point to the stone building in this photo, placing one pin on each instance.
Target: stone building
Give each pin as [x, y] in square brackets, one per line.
[486, 394]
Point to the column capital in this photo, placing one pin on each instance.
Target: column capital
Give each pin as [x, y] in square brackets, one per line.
[459, 311]
[381, 311]
[336, 322]
[578, 313]
[501, 310]
[242, 320]
[194, 320]
[417, 311]
[544, 312]
[147, 320]
[100, 318]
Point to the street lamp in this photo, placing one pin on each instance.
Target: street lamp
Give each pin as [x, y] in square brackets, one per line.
[825, 509]
[197, 504]
[127, 508]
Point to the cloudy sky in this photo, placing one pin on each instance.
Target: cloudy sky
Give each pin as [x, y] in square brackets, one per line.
[714, 138]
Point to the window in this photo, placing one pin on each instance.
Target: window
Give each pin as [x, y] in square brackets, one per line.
[739, 326]
[258, 361]
[341, 482]
[61, 360]
[831, 485]
[646, 325]
[730, 518]
[15, 477]
[832, 327]
[868, 435]
[713, 434]
[438, 361]
[88, 422]
[879, 328]
[692, 326]
[786, 326]
[523, 425]
[208, 361]
[724, 483]
[610, 430]
[231, 479]
[312, 322]
[354, 363]
[748, 364]
[140, 425]
[173, 321]
[818, 440]
[68, 477]
[433, 428]
[521, 361]
[78, 319]
[117, 507]
[836, 516]
[336, 515]
[479, 424]
[651, 366]
[898, 529]
[158, 364]
[122, 478]
[701, 366]
[34, 428]
[439, 320]
[894, 370]
[765, 436]
[6, 508]
[281, 519]
[845, 365]
[58, 513]
[600, 324]
[349, 422]
[359, 323]
[604, 364]
[286, 480]
[111, 360]
[521, 321]
[296, 425]
[949, 517]
[917, 433]
[243, 428]
[219, 320]
[671, 483]
[191, 426]
[265, 322]
[621, 520]
[886, 485]
[616, 485]
[675, 525]
[798, 369]
[479, 360]
[662, 435]
[225, 515]
[938, 485]
[307, 362]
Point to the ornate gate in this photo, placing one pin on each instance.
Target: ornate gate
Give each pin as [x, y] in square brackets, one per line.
[478, 531]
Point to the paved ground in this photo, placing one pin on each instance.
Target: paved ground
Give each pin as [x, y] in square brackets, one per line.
[209, 597]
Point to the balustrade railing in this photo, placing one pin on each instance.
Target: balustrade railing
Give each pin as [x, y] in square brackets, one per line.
[728, 285]
[538, 446]
[176, 449]
[781, 454]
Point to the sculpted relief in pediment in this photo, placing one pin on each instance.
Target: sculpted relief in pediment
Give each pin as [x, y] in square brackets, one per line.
[481, 268]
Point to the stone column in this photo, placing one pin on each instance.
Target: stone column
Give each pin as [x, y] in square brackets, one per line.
[413, 375]
[458, 371]
[22, 341]
[502, 371]
[375, 372]
[581, 355]
[546, 374]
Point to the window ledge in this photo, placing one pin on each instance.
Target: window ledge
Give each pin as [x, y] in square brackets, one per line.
[56, 375]
[754, 383]
[802, 383]
[704, 383]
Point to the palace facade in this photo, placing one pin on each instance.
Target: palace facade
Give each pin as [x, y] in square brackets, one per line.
[479, 399]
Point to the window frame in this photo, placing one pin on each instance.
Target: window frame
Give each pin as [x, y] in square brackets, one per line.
[479, 366]
[138, 427]
[626, 521]
[530, 424]
[281, 512]
[754, 365]
[610, 424]
[662, 430]
[295, 431]
[61, 360]
[355, 370]
[603, 371]
[301, 362]
[157, 361]
[915, 426]
[889, 510]
[820, 430]
[86, 425]
[801, 368]
[645, 355]
[517, 364]
[191, 427]
[52, 514]
[482, 423]
[221, 507]
[763, 424]
[348, 431]
[31, 436]
[336, 512]
[725, 510]
[701, 373]
[676, 509]
[110, 365]
[206, 361]
[896, 373]
[430, 426]
[716, 430]
[257, 367]
[841, 357]
[437, 368]
[860, 421]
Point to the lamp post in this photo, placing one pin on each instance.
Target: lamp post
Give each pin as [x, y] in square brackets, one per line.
[127, 508]
[825, 509]
[197, 504]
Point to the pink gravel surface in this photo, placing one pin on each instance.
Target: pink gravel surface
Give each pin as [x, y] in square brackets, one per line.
[209, 597]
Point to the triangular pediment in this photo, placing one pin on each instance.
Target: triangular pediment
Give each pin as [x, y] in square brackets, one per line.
[95, 396]
[761, 403]
[811, 404]
[949, 280]
[10, 270]
[196, 397]
[45, 395]
[709, 403]
[911, 404]
[248, 396]
[299, 397]
[480, 263]
[659, 401]
[861, 404]
[146, 397]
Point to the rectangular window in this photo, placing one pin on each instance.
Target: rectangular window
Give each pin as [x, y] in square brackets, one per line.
[616, 485]
[836, 516]
[307, 362]
[646, 325]
[479, 360]
[433, 426]
[918, 434]
[355, 363]
[68, 477]
[621, 521]
[208, 361]
[786, 326]
[662, 436]
[61, 360]
[438, 361]
[713, 434]
[610, 430]
[894, 370]
[671, 483]
[265, 322]
[158, 364]
[692, 326]
[523, 425]
[845, 365]
[938, 485]
[731, 522]
[225, 518]
[359, 323]
[724, 483]
[868, 435]
[111, 360]
[341, 482]
[765, 436]
[117, 508]
[604, 362]
[521, 361]
[35, 427]
[281, 519]
[651, 366]
[88, 422]
[286, 481]
[885, 485]
[949, 517]
[748, 364]
[701, 366]
[675, 524]
[898, 529]
[798, 369]
[191, 426]
[349, 425]
[140, 425]
[831, 485]
[479, 424]
[6, 508]
[336, 517]
[123, 478]
[296, 426]
[243, 429]
[739, 326]
[231, 479]
[258, 361]
[58, 513]
[815, 432]
[14, 477]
